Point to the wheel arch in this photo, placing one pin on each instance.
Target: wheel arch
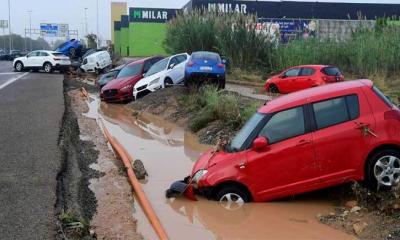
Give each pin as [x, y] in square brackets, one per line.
[377, 149]
[18, 61]
[47, 62]
[227, 183]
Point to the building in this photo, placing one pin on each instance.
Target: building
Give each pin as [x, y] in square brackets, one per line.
[117, 10]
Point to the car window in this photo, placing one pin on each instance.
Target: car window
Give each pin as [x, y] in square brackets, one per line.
[173, 61]
[43, 54]
[147, 65]
[330, 112]
[57, 54]
[354, 106]
[239, 140]
[331, 71]
[33, 54]
[382, 96]
[158, 67]
[181, 58]
[292, 72]
[130, 70]
[206, 55]
[284, 125]
[307, 72]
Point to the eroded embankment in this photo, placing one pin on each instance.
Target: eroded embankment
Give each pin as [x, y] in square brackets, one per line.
[94, 197]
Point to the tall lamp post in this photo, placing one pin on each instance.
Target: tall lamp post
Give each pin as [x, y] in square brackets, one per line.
[98, 40]
[30, 29]
[9, 23]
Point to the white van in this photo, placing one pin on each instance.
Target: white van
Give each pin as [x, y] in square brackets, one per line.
[96, 62]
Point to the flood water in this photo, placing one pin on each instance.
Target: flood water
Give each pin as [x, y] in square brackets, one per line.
[168, 153]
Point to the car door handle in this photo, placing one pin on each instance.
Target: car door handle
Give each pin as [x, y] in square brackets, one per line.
[241, 165]
[304, 142]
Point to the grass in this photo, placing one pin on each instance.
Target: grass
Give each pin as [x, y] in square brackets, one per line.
[213, 105]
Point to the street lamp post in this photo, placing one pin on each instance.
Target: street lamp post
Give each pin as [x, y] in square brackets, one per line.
[98, 40]
[30, 29]
[86, 23]
[9, 23]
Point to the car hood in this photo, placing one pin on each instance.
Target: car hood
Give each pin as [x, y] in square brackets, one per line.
[209, 159]
[121, 82]
[18, 58]
[147, 80]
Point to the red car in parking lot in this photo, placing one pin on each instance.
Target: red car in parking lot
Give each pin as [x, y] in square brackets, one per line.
[121, 88]
[305, 141]
[302, 77]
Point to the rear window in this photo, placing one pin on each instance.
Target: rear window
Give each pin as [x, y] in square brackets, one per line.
[130, 70]
[331, 71]
[307, 72]
[382, 96]
[57, 54]
[206, 55]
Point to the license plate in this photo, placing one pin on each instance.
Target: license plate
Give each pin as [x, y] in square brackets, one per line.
[206, 68]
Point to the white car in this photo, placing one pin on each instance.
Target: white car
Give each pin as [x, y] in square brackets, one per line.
[96, 62]
[169, 71]
[42, 60]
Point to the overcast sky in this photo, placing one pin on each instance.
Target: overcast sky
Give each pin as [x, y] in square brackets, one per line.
[71, 12]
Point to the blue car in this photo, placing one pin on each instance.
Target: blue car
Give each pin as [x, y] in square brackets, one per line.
[205, 67]
[71, 48]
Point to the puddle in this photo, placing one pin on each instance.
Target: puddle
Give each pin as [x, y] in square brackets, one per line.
[168, 153]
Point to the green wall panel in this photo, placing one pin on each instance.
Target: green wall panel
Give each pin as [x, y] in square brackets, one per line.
[146, 39]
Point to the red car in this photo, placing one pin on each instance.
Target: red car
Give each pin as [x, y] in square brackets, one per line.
[302, 77]
[121, 88]
[304, 141]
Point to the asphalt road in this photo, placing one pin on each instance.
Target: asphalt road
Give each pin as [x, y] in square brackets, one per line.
[31, 109]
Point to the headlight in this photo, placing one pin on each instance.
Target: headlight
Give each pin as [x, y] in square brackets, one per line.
[155, 81]
[268, 79]
[199, 174]
[127, 87]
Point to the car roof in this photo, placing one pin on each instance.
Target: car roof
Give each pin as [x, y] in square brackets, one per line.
[142, 60]
[314, 94]
[312, 66]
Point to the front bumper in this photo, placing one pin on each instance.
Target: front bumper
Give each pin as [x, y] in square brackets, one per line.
[118, 96]
[187, 188]
[62, 67]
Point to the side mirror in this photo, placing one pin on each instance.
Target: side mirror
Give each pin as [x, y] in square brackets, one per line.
[224, 61]
[172, 65]
[259, 143]
[283, 76]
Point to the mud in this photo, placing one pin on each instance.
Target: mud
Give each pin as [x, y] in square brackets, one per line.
[108, 211]
[168, 153]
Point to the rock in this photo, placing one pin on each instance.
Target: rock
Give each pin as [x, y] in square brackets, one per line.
[139, 169]
[351, 204]
[332, 214]
[344, 214]
[359, 227]
[92, 233]
[355, 209]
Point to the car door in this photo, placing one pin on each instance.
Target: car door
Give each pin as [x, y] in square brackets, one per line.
[287, 164]
[173, 69]
[340, 136]
[305, 79]
[31, 59]
[287, 81]
[41, 59]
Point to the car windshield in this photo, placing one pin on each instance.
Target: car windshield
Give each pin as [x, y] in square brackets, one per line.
[130, 70]
[206, 55]
[239, 140]
[108, 76]
[158, 67]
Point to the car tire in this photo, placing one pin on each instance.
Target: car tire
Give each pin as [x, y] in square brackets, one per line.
[47, 67]
[168, 82]
[221, 84]
[19, 66]
[383, 169]
[72, 52]
[232, 197]
[273, 89]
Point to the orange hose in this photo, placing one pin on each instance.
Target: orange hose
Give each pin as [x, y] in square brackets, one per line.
[144, 202]
[84, 92]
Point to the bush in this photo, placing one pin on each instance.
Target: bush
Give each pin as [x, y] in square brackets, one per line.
[212, 105]
[234, 36]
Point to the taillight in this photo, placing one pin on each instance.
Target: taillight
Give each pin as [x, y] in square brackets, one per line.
[190, 64]
[221, 65]
[98, 64]
[392, 115]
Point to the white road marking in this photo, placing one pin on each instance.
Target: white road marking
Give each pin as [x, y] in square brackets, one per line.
[12, 80]
[9, 73]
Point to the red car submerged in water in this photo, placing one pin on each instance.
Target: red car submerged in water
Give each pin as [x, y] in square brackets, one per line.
[304, 141]
[121, 88]
[302, 77]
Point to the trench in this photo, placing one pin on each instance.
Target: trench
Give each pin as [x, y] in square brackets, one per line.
[168, 153]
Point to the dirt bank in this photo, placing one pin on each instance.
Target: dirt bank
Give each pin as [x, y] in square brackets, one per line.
[193, 110]
[96, 200]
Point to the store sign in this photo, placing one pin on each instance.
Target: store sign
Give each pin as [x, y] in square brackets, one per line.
[227, 7]
[3, 24]
[151, 14]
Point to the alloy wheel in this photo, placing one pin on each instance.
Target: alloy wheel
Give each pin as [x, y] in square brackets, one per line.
[387, 171]
[231, 201]
[47, 68]
[19, 67]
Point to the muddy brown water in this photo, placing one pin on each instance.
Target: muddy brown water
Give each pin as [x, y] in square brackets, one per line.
[168, 153]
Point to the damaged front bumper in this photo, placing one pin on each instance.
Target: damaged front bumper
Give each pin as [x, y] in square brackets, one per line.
[186, 188]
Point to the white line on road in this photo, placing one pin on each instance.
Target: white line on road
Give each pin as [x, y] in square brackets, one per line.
[9, 73]
[12, 80]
